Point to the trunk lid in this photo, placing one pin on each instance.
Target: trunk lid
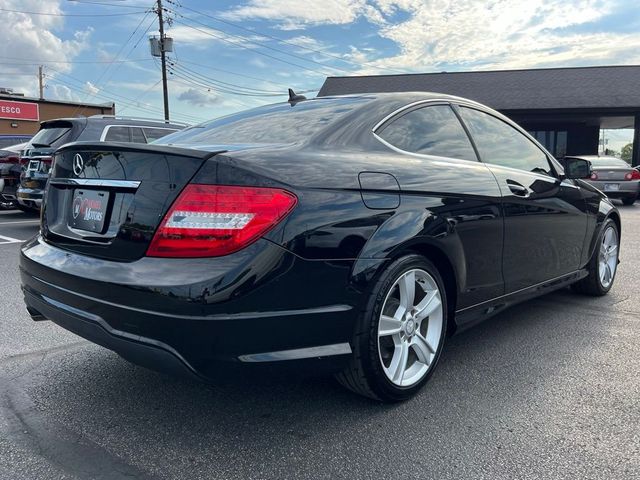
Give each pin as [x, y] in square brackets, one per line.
[611, 173]
[107, 199]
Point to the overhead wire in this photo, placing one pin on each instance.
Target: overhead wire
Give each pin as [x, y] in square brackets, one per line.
[121, 98]
[239, 45]
[48, 14]
[281, 40]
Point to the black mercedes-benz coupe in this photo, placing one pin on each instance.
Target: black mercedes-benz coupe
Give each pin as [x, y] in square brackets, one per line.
[343, 234]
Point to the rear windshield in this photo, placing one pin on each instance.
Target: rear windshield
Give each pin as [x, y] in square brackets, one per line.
[279, 123]
[53, 136]
[608, 162]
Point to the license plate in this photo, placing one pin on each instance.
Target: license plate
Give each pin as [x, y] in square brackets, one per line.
[611, 187]
[88, 210]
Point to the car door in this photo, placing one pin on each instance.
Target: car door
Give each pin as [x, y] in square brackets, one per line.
[545, 218]
[456, 189]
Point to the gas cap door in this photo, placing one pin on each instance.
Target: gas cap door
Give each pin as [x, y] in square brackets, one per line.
[379, 190]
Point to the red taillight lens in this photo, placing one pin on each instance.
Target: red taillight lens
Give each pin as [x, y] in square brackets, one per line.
[215, 220]
[594, 176]
[635, 175]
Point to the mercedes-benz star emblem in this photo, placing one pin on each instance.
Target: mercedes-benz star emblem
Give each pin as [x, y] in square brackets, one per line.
[78, 164]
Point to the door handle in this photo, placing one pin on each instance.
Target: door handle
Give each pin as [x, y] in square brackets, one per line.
[517, 188]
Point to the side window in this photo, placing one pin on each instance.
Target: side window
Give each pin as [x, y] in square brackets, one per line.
[137, 136]
[118, 134]
[156, 133]
[431, 130]
[501, 144]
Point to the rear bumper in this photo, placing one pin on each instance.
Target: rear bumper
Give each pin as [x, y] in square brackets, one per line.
[626, 189]
[29, 197]
[202, 316]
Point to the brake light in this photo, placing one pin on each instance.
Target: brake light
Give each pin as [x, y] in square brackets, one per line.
[12, 160]
[215, 220]
[594, 176]
[635, 175]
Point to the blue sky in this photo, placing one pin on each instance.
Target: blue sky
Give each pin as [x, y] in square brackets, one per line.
[232, 55]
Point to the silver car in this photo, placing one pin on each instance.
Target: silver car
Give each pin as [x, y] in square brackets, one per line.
[615, 177]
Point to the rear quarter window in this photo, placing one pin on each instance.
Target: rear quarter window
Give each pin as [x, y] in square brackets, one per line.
[156, 133]
[432, 130]
[117, 134]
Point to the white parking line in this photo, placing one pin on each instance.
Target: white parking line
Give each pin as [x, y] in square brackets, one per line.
[8, 240]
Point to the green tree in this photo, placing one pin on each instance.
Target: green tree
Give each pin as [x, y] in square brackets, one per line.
[626, 152]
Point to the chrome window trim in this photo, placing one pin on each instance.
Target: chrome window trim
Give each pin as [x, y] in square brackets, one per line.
[129, 126]
[399, 111]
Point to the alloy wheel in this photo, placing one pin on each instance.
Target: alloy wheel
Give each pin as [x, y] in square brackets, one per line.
[608, 259]
[410, 328]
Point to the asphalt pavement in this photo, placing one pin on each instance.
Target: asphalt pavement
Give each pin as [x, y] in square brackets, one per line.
[548, 389]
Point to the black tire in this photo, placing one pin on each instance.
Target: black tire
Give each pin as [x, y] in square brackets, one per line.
[365, 375]
[591, 284]
[629, 200]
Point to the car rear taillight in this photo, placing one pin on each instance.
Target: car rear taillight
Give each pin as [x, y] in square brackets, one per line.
[215, 220]
[635, 175]
[12, 160]
[594, 176]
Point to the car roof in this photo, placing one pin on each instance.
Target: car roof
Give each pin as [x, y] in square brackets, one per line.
[111, 120]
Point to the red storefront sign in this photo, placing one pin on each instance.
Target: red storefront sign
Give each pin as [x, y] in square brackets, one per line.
[19, 110]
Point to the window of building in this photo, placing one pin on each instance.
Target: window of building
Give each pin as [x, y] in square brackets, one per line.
[555, 141]
[501, 144]
[431, 130]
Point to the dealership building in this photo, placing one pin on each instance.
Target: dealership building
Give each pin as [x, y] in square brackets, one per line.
[564, 108]
[21, 115]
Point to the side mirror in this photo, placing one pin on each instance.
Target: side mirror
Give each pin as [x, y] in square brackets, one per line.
[577, 168]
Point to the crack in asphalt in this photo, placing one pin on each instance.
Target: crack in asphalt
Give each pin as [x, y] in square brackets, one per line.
[69, 451]
[42, 351]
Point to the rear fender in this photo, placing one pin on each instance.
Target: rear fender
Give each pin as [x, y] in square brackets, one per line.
[410, 231]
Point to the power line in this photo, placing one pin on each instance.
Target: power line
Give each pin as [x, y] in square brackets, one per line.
[225, 87]
[121, 5]
[39, 62]
[216, 69]
[72, 14]
[247, 48]
[281, 40]
[253, 42]
[107, 69]
[232, 86]
[121, 98]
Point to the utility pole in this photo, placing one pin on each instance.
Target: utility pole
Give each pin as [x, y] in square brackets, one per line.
[41, 82]
[163, 61]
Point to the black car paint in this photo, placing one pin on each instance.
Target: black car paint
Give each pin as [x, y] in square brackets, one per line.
[303, 283]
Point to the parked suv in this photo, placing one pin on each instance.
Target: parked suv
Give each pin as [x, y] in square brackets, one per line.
[37, 156]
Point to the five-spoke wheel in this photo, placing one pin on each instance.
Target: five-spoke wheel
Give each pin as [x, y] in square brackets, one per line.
[410, 327]
[608, 259]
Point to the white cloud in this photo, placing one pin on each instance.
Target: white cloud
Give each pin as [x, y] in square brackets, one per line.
[61, 92]
[296, 14]
[198, 97]
[199, 37]
[462, 34]
[34, 38]
[91, 88]
[500, 34]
